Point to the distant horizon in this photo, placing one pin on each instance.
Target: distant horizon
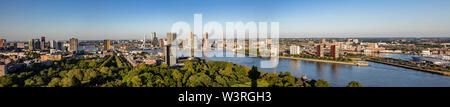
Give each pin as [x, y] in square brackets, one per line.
[132, 19]
[279, 38]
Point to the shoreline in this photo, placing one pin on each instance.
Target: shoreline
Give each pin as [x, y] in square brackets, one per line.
[326, 61]
[316, 60]
[410, 67]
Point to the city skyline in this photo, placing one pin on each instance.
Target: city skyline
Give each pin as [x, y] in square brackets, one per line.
[119, 19]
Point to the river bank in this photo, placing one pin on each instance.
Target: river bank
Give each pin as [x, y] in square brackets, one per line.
[410, 67]
[326, 61]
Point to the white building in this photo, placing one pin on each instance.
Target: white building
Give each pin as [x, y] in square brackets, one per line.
[294, 50]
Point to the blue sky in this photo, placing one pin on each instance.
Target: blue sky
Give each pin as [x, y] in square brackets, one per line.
[131, 19]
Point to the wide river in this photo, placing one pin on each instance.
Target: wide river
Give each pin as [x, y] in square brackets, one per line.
[375, 75]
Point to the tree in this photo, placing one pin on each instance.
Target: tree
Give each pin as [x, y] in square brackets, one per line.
[254, 74]
[70, 82]
[321, 83]
[354, 84]
[54, 82]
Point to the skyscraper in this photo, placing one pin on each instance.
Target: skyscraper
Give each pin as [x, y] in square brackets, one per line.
[319, 51]
[73, 45]
[54, 44]
[42, 44]
[153, 36]
[170, 57]
[154, 39]
[30, 44]
[171, 37]
[33, 44]
[334, 51]
[161, 42]
[107, 44]
[205, 41]
[192, 43]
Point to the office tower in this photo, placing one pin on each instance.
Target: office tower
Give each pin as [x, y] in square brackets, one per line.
[42, 45]
[65, 46]
[60, 45]
[154, 39]
[33, 44]
[171, 37]
[107, 44]
[294, 50]
[143, 43]
[54, 44]
[30, 44]
[3, 69]
[192, 43]
[170, 53]
[205, 41]
[2, 43]
[161, 42]
[319, 51]
[73, 45]
[334, 51]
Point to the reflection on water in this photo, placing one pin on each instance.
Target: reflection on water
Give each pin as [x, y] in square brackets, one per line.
[374, 75]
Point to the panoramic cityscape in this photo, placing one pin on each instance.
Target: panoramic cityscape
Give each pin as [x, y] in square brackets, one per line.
[110, 44]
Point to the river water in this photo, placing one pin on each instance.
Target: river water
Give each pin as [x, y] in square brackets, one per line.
[375, 75]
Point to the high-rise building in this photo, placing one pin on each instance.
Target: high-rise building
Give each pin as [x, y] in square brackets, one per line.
[205, 41]
[33, 44]
[153, 36]
[73, 45]
[319, 51]
[107, 44]
[294, 50]
[161, 42]
[54, 44]
[334, 51]
[30, 44]
[2, 43]
[170, 53]
[42, 45]
[65, 46]
[170, 38]
[192, 43]
[154, 39]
